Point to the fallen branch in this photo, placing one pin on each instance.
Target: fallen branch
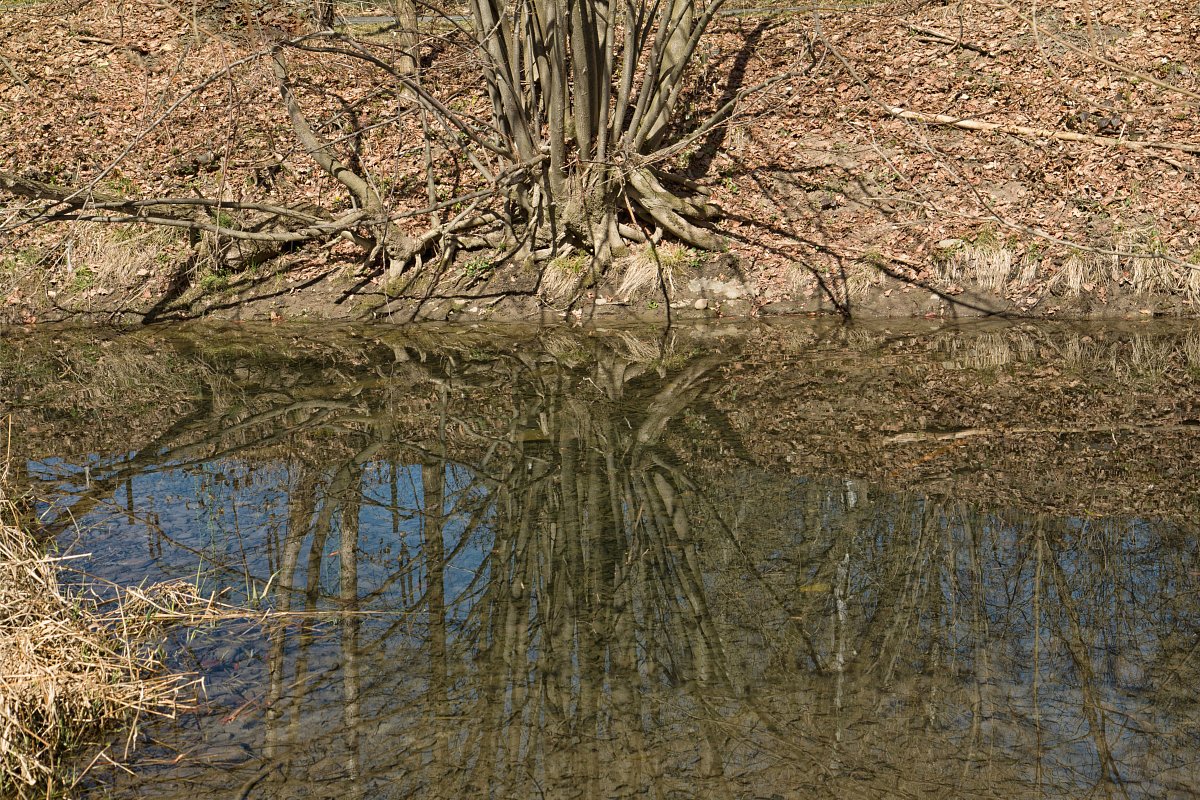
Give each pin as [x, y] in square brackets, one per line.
[321, 231]
[937, 37]
[1037, 133]
[912, 437]
[13, 71]
[74, 203]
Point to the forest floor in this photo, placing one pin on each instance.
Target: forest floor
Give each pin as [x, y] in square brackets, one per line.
[985, 157]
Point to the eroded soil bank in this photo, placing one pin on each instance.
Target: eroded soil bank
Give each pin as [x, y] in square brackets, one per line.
[983, 158]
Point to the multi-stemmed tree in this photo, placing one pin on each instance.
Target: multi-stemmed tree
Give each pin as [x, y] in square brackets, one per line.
[582, 97]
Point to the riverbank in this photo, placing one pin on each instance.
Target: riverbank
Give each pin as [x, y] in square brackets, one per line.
[926, 161]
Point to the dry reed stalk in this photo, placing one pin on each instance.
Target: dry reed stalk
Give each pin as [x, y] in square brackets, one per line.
[69, 671]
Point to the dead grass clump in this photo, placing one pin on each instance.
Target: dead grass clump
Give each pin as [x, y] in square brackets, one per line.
[1085, 272]
[863, 276]
[1149, 270]
[563, 277]
[643, 268]
[1191, 282]
[101, 259]
[70, 670]
[987, 261]
[1029, 267]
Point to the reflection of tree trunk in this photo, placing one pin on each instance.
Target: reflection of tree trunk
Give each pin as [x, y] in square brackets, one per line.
[981, 707]
[682, 576]
[554, 520]
[301, 505]
[343, 491]
[404, 560]
[490, 707]
[1038, 754]
[1080, 650]
[350, 625]
[627, 688]
[603, 540]
[841, 592]
[433, 486]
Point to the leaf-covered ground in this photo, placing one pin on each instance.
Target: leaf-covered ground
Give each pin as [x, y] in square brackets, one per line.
[839, 195]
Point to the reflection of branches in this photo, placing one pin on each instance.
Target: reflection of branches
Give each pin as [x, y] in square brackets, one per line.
[585, 610]
[166, 453]
[1081, 658]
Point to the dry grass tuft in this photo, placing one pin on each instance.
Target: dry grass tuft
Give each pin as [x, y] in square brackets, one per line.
[642, 269]
[563, 277]
[94, 259]
[1191, 283]
[988, 262]
[72, 666]
[864, 275]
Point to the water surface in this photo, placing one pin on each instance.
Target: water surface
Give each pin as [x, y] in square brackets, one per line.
[743, 562]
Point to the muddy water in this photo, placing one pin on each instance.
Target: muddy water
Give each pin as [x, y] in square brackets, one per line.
[744, 562]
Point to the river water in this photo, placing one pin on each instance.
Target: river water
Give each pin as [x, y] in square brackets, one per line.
[768, 561]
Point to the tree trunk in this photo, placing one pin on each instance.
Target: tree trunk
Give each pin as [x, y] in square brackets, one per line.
[323, 14]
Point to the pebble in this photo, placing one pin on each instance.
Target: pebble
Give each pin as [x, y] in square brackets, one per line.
[701, 304]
